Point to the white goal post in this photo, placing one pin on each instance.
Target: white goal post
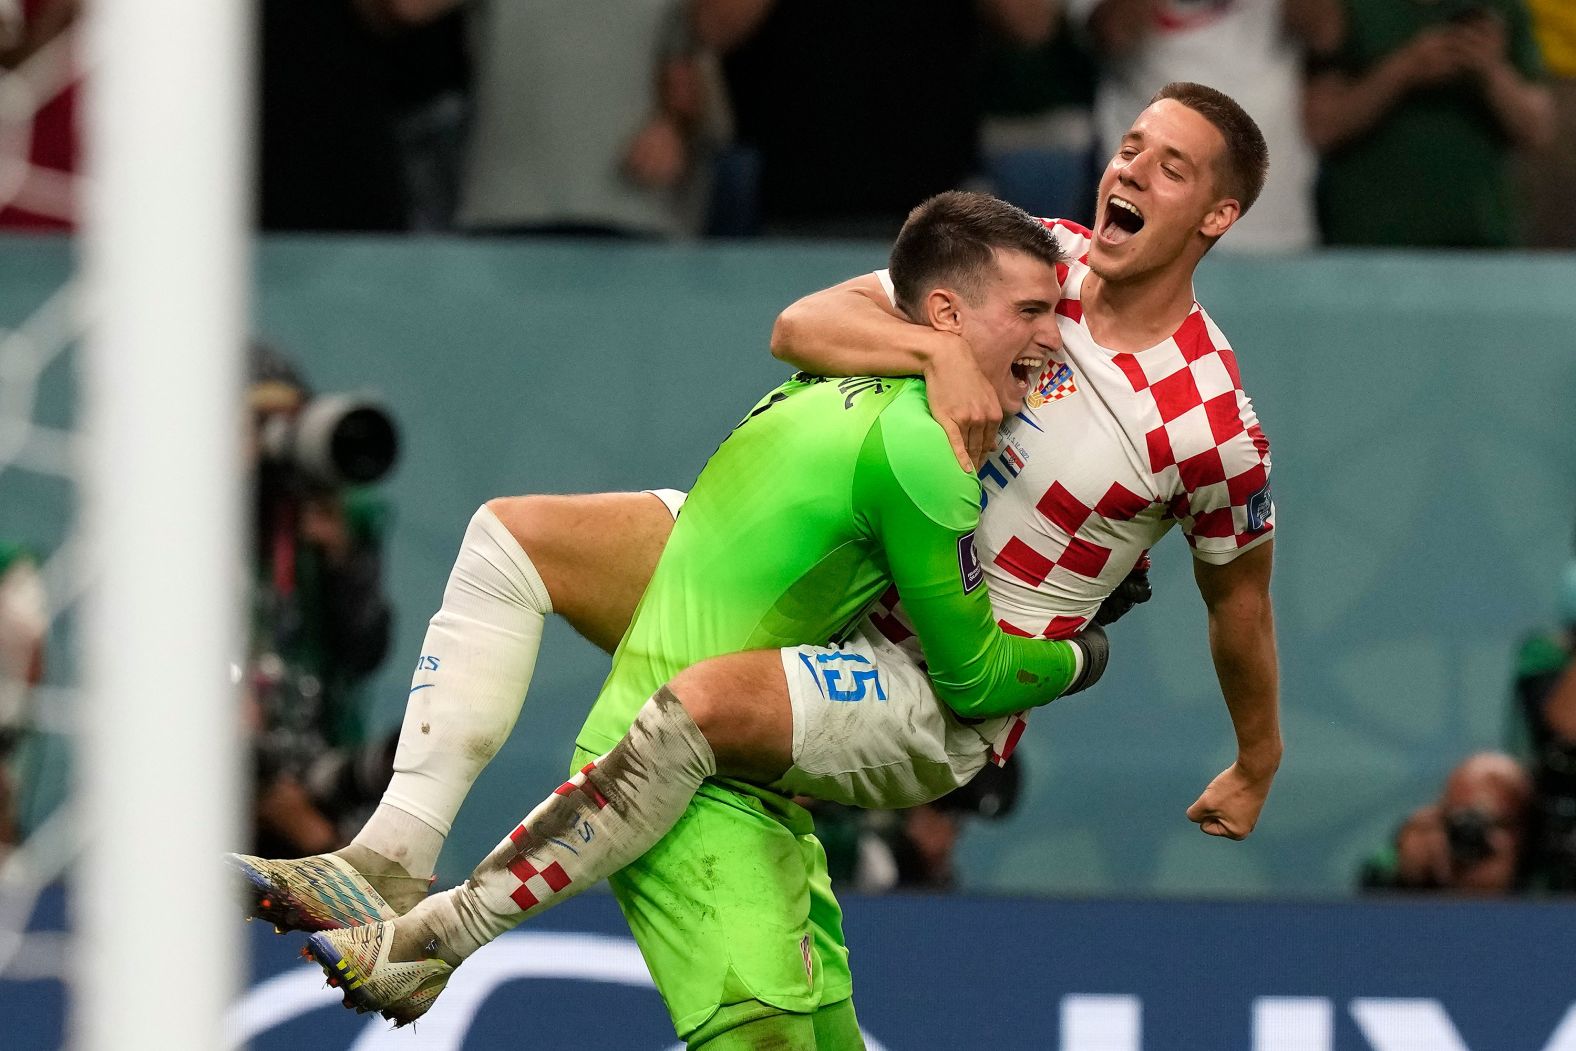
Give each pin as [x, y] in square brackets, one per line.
[167, 194]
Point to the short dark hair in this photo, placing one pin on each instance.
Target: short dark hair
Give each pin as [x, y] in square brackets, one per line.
[1247, 157]
[951, 240]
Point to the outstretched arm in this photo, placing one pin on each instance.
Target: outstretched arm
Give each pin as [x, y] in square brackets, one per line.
[1242, 642]
[852, 329]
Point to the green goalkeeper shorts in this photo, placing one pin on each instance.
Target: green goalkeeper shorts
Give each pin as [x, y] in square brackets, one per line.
[735, 904]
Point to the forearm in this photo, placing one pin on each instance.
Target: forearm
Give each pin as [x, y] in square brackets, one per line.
[923, 514]
[1337, 109]
[1242, 644]
[1524, 109]
[845, 331]
[992, 674]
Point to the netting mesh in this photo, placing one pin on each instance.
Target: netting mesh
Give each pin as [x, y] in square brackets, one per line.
[41, 575]
[37, 114]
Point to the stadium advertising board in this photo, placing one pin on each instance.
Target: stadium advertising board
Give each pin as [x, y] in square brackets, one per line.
[937, 974]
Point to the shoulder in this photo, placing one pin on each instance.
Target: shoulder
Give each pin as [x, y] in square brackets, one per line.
[909, 447]
[1074, 238]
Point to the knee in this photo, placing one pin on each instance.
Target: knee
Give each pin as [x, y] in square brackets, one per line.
[698, 692]
[740, 705]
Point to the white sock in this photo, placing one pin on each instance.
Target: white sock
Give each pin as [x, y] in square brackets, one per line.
[470, 683]
[402, 838]
[594, 824]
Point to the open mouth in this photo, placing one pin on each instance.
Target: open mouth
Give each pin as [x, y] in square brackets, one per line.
[1122, 220]
[1026, 369]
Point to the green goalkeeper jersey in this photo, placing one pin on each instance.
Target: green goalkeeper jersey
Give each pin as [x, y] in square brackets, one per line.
[826, 494]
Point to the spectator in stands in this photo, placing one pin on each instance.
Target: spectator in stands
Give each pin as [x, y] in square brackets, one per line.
[1251, 50]
[336, 88]
[587, 118]
[1419, 114]
[24, 620]
[320, 626]
[1551, 171]
[1473, 840]
[1546, 702]
[856, 111]
[1037, 140]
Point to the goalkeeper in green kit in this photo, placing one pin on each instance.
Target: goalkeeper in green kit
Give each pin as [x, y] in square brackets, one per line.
[744, 681]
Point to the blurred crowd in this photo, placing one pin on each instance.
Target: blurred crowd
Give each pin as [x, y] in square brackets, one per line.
[1390, 122]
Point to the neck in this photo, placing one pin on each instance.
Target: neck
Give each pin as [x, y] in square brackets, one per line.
[1133, 314]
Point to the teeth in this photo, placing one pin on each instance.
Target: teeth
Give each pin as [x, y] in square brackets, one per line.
[1126, 206]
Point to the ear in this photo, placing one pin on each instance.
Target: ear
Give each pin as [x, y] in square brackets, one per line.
[1220, 218]
[942, 309]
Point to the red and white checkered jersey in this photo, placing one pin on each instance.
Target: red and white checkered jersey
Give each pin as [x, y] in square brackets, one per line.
[1111, 450]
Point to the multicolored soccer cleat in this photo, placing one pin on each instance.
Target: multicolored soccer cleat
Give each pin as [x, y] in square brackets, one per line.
[319, 893]
[356, 961]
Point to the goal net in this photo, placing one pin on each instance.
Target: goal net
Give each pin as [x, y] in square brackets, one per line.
[119, 504]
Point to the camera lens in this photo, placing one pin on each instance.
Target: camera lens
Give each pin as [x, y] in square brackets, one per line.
[364, 445]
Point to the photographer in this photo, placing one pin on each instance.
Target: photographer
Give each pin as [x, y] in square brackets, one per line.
[1472, 841]
[1546, 700]
[320, 622]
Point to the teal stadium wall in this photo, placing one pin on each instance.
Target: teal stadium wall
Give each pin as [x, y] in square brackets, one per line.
[1419, 406]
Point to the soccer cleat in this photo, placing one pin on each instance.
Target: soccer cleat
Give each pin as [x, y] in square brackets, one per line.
[356, 961]
[319, 893]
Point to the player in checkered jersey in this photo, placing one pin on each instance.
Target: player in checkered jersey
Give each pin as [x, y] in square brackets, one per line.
[588, 557]
[1138, 424]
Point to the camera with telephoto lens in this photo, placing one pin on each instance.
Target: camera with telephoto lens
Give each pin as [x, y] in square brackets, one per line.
[1467, 832]
[336, 440]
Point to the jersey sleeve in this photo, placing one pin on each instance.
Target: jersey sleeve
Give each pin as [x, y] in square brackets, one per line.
[1226, 507]
[922, 511]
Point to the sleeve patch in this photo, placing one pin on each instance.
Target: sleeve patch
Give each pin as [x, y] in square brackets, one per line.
[969, 563]
[1259, 508]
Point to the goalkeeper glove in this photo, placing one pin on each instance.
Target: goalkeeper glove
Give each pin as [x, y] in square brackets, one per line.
[1132, 591]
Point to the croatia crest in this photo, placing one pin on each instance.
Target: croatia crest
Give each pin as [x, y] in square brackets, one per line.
[1055, 382]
